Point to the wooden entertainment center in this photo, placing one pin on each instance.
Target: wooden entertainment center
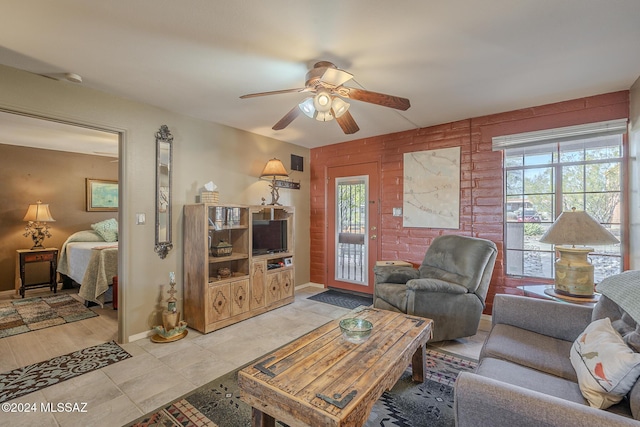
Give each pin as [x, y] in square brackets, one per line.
[238, 262]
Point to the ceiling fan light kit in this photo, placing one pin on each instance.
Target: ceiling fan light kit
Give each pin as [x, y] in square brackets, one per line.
[307, 107]
[322, 101]
[326, 81]
[339, 107]
[324, 116]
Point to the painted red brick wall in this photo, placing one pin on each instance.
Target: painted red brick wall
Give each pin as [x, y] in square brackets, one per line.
[481, 180]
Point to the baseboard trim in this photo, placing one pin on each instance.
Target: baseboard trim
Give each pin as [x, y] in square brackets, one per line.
[7, 294]
[141, 335]
[310, 285]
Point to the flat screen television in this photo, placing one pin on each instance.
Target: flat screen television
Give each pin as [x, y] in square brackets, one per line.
[269, 236]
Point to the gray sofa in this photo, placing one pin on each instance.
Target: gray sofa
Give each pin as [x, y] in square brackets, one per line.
[525, 377]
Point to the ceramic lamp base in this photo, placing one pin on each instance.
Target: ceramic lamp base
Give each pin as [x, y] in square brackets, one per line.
[574, 272]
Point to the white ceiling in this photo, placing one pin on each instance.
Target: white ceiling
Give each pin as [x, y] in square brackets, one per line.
[27, 131]
[454, 59]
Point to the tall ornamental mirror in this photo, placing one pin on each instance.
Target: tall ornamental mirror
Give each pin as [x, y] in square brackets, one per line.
[164, 139]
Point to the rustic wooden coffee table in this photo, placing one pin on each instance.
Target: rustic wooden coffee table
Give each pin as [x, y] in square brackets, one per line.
[321, 379]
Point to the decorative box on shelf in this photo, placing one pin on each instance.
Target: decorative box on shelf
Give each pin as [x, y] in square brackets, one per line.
[209, 197]
[223, 249]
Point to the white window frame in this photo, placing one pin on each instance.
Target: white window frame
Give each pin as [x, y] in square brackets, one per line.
[560, 138]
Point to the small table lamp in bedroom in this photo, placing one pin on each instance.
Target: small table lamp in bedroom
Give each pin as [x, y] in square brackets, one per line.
[38, 215]
[574, 272]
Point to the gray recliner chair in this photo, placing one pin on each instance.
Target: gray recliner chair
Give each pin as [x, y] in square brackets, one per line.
[450, 286]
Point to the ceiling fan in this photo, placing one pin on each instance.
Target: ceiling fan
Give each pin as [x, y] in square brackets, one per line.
[325, 81]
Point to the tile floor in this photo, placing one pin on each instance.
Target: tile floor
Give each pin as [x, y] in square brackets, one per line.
[160, 373]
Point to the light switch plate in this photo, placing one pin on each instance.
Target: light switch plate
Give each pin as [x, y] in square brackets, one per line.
[397, 211]
[141, 219]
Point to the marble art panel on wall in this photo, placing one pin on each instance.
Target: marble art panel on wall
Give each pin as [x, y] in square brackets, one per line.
[431, 194]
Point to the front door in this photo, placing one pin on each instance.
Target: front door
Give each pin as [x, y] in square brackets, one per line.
[352, 222]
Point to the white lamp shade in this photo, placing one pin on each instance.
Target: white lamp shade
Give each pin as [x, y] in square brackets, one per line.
[578, 228]
[324, 116]
[38, 213]
[307, 107]
[339, 107]
[322, 101]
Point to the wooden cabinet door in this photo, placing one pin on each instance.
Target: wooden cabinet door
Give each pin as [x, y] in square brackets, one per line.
[258, 283]
[286, 283]
[218, 303]
[273, 288]
[239, 297]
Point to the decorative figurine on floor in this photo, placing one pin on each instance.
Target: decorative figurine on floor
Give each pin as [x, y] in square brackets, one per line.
[172, 328]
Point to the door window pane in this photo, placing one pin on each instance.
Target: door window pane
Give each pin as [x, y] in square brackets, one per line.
[351, 230]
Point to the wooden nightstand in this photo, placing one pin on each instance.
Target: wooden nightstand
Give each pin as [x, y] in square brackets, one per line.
[27, 256]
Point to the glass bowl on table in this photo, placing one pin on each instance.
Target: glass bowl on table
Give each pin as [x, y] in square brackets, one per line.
[356, 330]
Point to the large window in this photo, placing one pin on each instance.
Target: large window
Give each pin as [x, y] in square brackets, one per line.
[544, 179]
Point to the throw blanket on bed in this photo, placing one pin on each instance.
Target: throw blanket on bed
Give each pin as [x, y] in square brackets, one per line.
[103, 265]
[624, 290]
[80, 236]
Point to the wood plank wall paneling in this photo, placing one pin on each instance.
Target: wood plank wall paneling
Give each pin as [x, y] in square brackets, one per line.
[481, 186]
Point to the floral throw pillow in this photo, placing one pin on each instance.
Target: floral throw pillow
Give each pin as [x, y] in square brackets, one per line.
[606, 367]
[107, 229]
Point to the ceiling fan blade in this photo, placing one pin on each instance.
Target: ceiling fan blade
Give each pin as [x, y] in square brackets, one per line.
[374, 97]
[347, 123]
[275, 92]
[335, 77]
[287, 119]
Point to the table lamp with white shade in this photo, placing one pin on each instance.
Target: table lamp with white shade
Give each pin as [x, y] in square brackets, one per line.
[37, 217]
[573, 271]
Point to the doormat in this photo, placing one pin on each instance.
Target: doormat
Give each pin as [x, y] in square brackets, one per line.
[35, 377]
[407, 404]
[342, 299]
[30, 314]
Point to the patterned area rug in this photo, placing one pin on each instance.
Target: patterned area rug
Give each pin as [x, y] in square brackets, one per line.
[29, 314]
[342, 299]
[35, 377]
[407, 404]
[427, 404]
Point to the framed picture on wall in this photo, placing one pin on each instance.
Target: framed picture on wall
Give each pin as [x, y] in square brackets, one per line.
[102, 195]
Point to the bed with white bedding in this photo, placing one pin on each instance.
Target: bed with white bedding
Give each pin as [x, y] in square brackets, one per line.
[91, 262]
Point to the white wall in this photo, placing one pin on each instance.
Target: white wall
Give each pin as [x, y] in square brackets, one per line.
[203, 151]
[634, 175]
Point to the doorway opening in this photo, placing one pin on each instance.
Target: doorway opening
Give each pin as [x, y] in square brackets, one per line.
[51, 159]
